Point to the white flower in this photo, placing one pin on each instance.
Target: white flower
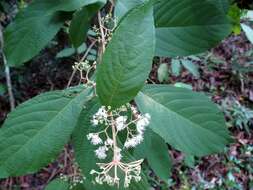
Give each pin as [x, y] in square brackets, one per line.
[142, 123]
[134, 110]
[100, 116]
[139, 138]
[101, 152]
[130, 143]
[118, 155]
[134, 141]
[95, 121]
[102, 113]
[109, 142]
[94, 138]
[120, 122]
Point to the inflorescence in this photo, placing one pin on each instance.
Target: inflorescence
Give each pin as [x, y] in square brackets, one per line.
[126, 120]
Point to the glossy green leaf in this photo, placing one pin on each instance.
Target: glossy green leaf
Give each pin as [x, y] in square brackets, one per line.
[35, 26]
[188, 27]
[28, 34]
[221, 4]
[84, 150]
[36, 131]
[57, 184]
[191, 67]
[187, 120]
[156, 151]
[123, 6]
[81, 22]
[128, 58]
[163, 72]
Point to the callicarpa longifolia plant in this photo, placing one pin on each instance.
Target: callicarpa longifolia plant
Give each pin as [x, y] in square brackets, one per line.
[115, 120]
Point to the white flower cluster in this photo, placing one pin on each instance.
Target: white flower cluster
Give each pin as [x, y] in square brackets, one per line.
[110, 123]
[141, 123]
[100, 117]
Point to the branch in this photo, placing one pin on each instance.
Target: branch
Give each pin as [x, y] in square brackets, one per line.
[7, 72]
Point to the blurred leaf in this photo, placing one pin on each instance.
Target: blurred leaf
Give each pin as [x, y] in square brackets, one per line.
[156, 151]
[176, 67]
[67, 52]
[183, 85]
[57, 184]
[2, 89]
[189, 160]
[191, 67]
[248, 31]
[81, 21]
[82, 48]
[163, 72]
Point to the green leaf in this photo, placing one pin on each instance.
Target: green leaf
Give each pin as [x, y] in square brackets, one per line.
[188, 27]
[28, 34]
[183, 85]
[189, 161]
[81, 22]
[191, 67]
[163, 72]
[82, 48]
[248, 31]
[223, 5]
[2, 89]
[36, 131]
[84, 150]
[65, 53]
[123, 6]
[128, 58]
[187, 120]
[35, 26]
[156, 151]
[176, 67]
[57, 184]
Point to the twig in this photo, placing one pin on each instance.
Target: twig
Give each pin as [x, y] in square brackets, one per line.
[82, 59]
[102, 32]
[7, 73]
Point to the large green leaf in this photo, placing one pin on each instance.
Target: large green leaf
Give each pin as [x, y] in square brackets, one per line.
[28, 34]
[81, 22]
[84, 150]
[35, 26]
[128, 58]
[156, 151]
[188, 27]
[123, 6]
[35, 133]
[187, 120]
[221, 4]
[57, 184]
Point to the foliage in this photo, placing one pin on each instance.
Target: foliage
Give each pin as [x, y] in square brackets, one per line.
[37, 130]
[239, 115]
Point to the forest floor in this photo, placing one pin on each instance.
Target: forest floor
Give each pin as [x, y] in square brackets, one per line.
[226, 76]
